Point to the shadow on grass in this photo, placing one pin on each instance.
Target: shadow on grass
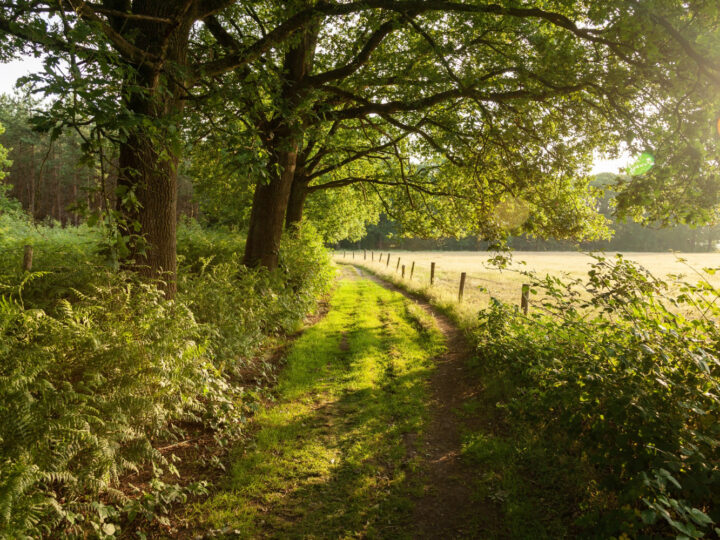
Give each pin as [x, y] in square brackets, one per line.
[333, 455]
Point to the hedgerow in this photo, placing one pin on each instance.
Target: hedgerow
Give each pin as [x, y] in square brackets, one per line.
[97, 368]
[618, 376]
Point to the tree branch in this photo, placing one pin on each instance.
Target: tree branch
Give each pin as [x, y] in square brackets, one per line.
[356, 180]
[448, 95]
[358, 155]
[363, 56]
[711, 70]
[123, 46]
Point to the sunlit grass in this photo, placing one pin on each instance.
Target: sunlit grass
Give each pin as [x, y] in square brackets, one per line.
[484, 282]
[329, 458]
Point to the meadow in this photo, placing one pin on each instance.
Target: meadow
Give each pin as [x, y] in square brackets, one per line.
[485, 281]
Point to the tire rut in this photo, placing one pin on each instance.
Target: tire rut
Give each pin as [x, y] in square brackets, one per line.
[447, 508]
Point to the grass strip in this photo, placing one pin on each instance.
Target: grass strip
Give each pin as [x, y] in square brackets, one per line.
[333, 456]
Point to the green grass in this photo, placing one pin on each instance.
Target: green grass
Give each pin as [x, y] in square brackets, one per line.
[333, 457]
[512, 471]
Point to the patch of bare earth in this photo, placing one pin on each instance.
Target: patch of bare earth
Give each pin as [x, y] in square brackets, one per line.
[447, 508]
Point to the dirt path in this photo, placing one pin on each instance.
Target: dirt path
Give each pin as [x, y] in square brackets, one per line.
[363, 438]
[447, 508]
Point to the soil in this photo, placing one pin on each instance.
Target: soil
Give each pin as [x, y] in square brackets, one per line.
[447, 508]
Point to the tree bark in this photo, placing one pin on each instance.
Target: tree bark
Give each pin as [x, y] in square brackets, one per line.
[296, 202]
[283, 136]
[148, 158]
[268, 213]
[153, 181]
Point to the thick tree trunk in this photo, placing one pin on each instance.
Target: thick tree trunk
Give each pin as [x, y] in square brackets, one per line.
[268, 214]
[153, 181]
[296, 202]
[148, 159]
[270, 202]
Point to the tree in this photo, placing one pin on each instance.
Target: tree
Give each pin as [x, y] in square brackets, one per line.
[48, 175]
[476, 105]
[514, 98]
[127, 67]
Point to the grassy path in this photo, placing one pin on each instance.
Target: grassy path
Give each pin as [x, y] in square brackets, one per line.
[339, 454]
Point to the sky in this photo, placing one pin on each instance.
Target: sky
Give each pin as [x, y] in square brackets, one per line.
[10, 72]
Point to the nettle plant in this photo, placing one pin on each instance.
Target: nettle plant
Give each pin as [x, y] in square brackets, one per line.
[622, 371]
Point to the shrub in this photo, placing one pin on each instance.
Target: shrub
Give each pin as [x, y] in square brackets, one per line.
[93, 377]
[197, 247]
[84, 393]
[613, 374]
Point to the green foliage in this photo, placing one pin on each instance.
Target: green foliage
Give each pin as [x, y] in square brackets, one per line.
[341, 214]
[616, 377]
[68, 257]
[97, 368]
[198, 246]
[226, 296]
[85, 391]
[4, 161]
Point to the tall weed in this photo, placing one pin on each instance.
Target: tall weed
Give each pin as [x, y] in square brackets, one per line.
[610, 375]
[97, 368]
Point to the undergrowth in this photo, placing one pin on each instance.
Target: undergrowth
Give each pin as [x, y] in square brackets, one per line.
[98, 369]
[620, 391]
[605, 402]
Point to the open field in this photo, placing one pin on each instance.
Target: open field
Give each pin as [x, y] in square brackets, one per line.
[484, 281]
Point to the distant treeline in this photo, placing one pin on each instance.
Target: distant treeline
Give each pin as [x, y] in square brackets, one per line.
[53, 177]
[626, 237]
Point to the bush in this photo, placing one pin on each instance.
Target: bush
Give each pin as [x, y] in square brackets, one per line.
[197, 247]
[227, 296]
[84, 393]
[613, 375]
[97, 368]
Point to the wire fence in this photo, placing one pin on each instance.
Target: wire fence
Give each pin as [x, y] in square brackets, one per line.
[434, 276]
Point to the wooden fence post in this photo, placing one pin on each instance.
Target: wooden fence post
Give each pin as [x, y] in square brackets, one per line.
[353, 255]
[343, 254]
[432, 272]
[372, 256]
[27, 258]
[525, 298]
[364, 254]
[387, 263]
[462, 287]
[412, 269]
[397, 266]
[403, 271]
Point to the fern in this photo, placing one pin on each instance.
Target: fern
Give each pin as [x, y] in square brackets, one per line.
[96, 366]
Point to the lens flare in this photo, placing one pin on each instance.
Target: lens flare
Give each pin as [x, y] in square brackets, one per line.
[642, 165]
[512, 213]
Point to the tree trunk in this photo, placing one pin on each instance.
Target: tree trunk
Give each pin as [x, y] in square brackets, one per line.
[284, 136]
[148, 160]
[153, 181]
[268, 214]
[296, 202]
